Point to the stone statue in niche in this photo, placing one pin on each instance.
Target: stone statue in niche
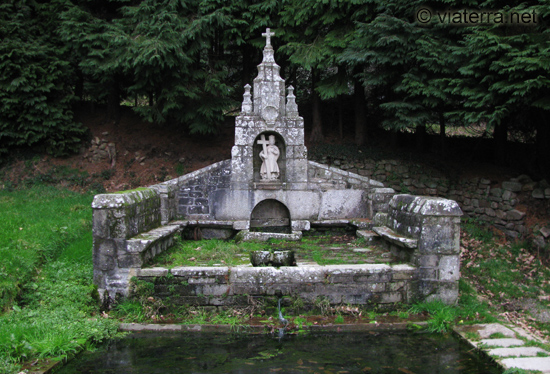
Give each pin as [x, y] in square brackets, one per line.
[269, 155]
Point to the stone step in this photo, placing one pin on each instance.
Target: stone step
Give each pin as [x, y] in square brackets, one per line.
[369, 236]
[362, 223]
[501, 343]
[507, 356]
[247, 236]
[528, 363]
[517, 352]
[144, 241]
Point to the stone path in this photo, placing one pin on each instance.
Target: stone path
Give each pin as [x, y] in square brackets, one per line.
[511, 347]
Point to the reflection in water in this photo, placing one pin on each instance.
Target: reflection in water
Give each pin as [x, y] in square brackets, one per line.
[316, 352]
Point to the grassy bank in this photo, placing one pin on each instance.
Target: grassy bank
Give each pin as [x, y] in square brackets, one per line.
[508, 277]
[48, 303]
[47, 299]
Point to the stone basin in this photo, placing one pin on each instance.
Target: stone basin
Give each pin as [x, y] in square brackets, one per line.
[275, 258]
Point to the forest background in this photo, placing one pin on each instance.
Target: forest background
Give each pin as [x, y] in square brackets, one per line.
[359, 67]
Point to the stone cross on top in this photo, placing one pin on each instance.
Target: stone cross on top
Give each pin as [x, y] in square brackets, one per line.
[268, 34]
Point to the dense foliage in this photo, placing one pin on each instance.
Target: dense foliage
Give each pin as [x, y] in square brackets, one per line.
[35, 92]
[185, 63]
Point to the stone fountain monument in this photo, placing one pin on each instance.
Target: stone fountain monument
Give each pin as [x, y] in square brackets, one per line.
[269, 184]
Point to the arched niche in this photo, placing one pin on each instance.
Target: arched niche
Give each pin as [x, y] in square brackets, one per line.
[257, 161]
[270, 215]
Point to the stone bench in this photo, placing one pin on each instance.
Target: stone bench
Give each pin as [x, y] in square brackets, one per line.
[127, 232]
[425, 232]
[146, 246]
[391, 236]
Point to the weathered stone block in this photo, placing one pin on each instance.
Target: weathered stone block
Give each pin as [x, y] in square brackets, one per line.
[391, 298]
[449, 268]
[343, 204]
[300, 225]
[538, 193]
[514, 215]
[512, 186]
[152, 272]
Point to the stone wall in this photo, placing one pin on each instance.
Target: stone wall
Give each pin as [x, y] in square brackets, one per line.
[495, 205]
[495, 202]
[196, 192]
[323, 177]
[380, 286]
[328, 193]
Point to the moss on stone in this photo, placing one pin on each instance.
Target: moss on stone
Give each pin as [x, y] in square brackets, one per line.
[134, 190]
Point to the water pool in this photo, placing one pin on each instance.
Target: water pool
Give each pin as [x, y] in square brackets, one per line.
[330, 352]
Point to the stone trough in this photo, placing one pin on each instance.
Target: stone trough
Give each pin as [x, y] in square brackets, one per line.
[268, 189]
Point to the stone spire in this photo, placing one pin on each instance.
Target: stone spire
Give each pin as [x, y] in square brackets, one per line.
[246, 107]
[291, 107]
[269, 87]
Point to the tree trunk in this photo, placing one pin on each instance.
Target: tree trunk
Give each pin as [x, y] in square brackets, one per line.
[360, 113]
[442, 136]
[420, 135]
[247, 65]
[113, 103]
[541, 143]
[340, 117]
[317, 123]
[500, 139]
[79, 86]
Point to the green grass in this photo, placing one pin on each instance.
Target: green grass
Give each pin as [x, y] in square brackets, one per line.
[229, 253]
[208, 253]
[35, 226]
[469, 310]
[506, 274]
[477, 229]
[48, 301]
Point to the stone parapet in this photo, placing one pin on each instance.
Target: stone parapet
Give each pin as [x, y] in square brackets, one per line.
[381, 286]
[127, 232]
[125, 214]
[425, 231]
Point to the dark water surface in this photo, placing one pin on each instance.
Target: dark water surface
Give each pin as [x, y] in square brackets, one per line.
[417, 353]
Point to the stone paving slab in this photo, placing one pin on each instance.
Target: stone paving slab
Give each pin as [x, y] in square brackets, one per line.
[516, 352]
[488, 329]
[473, 333]
[502, 343]
[528, 363]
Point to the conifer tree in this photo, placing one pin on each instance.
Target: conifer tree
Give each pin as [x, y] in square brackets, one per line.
[315, 33]
[35, 85]
[506, 77]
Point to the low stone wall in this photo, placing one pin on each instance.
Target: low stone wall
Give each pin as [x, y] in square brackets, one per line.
[132, 227]
[127, 232]
[495, 202]
[496, 205]
[379, 285]
[126, 214]
[425, 232]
